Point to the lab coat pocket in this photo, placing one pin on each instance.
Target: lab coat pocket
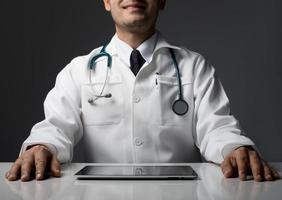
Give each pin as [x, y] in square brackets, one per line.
[102, 110]
[167, 92]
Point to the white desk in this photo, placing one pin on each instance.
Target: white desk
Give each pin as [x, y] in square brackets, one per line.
[210, 185]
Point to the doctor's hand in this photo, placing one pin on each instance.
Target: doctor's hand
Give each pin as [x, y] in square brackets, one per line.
[33, 163]
[245, 160]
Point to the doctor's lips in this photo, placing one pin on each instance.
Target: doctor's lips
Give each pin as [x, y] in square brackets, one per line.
[135, 5]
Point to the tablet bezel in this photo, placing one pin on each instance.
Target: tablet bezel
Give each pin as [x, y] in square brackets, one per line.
[81, 176]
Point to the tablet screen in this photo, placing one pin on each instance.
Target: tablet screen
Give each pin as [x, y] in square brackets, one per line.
[134, 171]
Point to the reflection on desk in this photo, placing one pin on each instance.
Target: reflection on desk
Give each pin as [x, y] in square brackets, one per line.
[210, 185]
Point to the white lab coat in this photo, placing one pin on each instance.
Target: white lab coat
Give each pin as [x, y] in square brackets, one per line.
[137, 123]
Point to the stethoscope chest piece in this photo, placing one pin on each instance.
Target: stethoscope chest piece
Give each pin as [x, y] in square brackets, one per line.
[180, 107]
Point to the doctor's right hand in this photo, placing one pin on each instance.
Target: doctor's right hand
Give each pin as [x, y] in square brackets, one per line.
[34, 161]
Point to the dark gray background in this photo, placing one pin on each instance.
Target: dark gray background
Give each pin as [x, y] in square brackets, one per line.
[241, 38]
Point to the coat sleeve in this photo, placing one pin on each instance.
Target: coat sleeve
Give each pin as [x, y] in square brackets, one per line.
[62, 127]
[217, 131]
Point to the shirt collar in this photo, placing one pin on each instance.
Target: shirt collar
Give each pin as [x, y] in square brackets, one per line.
[146, 48]
[157, 45]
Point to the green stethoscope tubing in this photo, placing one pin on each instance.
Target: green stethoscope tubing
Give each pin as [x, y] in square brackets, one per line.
[179, 107]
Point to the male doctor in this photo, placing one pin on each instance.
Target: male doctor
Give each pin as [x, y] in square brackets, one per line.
[124, 113]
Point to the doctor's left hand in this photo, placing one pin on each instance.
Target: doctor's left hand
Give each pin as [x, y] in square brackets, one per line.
[34, 161]
[245, 160]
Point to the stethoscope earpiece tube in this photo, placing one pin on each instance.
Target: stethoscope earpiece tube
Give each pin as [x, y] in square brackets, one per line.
[92, 67]
[180, 106]
[101, 54]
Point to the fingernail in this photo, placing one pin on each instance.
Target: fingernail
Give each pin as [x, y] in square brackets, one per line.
[258, 177]
[268, 177]
[58, 172]
[38, 176]
[226, 173]
[11, 177]
[24, 177]
[242, 176]
[277, 175]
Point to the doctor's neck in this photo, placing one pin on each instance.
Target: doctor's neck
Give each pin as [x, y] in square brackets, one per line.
[134, 38]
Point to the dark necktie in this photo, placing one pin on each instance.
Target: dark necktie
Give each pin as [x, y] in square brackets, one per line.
[136, 61]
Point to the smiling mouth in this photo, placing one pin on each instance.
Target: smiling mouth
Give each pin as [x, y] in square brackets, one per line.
[135, 7]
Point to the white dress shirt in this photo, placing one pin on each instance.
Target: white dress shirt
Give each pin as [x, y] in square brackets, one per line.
[146, 48]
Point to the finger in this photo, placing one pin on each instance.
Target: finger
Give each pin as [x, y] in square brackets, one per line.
[242, 159]
[41, 158]
[227, 168]
[27, 166]
[256, 166]
[275, 174]
[14, 172]
[268, 173]
[234, 164]
[55, 167]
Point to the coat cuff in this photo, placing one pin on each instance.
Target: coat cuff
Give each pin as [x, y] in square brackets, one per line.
[228, 148]
[64, 154]
[50, 147]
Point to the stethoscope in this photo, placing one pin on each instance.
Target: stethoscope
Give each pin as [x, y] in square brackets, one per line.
[179, 106]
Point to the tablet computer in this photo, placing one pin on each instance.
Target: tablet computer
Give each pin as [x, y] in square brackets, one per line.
[136, 172]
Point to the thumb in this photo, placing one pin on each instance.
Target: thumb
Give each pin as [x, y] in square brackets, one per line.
[55, 167]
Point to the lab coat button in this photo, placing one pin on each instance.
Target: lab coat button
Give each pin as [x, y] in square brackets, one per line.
[137, 99]
[138, 142]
